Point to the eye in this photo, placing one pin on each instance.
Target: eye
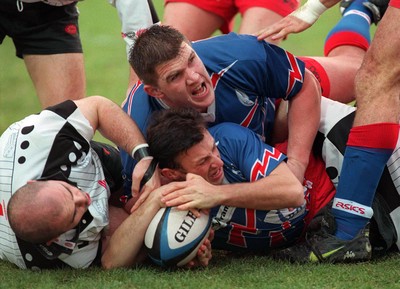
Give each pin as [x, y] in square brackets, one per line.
[192, 59]
[173, 77]
[202, 161]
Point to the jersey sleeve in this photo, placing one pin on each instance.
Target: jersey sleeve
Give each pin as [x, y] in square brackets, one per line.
[246, 157]
[285, 72]
[251, 66]
[139, 107]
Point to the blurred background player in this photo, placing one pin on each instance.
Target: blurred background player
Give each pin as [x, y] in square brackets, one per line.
[199, 19]
[46, 36]
[134, 15]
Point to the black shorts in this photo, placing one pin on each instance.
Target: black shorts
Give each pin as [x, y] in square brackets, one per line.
[41, 29]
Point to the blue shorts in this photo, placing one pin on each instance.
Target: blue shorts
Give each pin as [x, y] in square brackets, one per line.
[41, 29]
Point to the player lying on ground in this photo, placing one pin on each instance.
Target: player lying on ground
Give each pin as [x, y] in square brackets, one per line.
[53, 175]
[229, 170]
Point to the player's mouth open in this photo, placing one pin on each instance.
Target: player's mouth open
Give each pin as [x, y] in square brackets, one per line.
[217, 175]
[200, 90]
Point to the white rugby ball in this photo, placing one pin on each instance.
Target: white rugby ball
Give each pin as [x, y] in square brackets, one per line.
[174, 236]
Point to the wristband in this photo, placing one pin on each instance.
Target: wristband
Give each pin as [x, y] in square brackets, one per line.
[310, 11]
[149, 173]
[140, 151]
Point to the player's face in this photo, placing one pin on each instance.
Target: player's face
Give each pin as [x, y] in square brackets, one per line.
[184, 81]
[204, 160]
[72, 201]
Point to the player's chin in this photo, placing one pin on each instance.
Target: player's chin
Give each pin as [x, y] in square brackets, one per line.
[207, 101]
[202, 105]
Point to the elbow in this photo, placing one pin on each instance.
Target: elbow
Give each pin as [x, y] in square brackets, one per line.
[106, 263]
[297, 195]
[313, 89]
[109, 263]
[111, 260]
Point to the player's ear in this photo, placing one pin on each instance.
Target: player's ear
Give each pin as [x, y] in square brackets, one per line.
[153, 91]
[171, 174]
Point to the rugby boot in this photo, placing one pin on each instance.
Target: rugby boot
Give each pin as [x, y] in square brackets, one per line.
[324, 247]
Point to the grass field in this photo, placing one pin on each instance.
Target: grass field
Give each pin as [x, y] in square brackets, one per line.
[107, 72]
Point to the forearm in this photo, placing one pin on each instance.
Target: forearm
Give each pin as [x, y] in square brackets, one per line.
[125, 247]
[111, 121]
[280, 189]
[303, 120]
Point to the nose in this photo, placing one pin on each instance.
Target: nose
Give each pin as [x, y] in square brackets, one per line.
[82, 198]
[216, 160]
[192, 76]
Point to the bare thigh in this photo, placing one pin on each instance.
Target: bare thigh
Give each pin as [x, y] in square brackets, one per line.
[57, 77]
[257, 18]
[341, 67]
[193, 22]
[378, 80]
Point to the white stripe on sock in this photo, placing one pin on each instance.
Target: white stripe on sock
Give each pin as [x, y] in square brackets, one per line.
[352, 208]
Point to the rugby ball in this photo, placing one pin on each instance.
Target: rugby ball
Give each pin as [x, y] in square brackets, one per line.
[174, 236]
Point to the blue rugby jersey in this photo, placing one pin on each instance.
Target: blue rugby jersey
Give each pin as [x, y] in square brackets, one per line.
[247, 159]
[248, 76]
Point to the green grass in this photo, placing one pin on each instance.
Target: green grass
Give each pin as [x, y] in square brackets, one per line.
[224, 272]
[107, 74]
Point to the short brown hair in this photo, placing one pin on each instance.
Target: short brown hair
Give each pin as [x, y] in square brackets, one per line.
[154, 46]
[172, 132]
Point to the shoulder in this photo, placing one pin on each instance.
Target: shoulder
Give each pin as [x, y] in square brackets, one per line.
[232, 134]
[63, 109]
[229, 130]
[231, 45]
[137, 100]
[227, 38]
